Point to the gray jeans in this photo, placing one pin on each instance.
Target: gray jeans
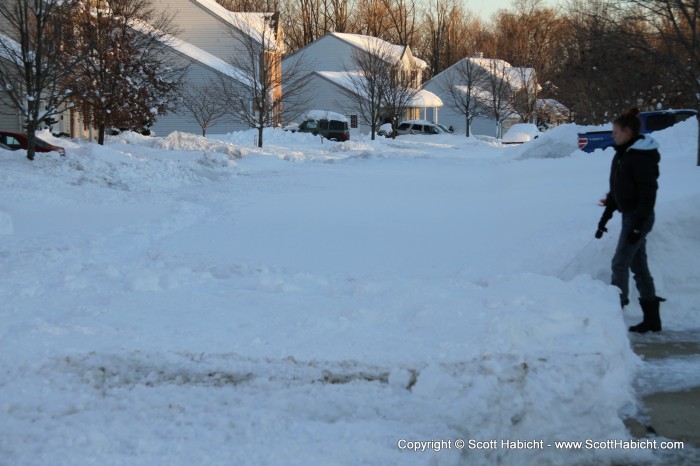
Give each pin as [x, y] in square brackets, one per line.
[633, 256]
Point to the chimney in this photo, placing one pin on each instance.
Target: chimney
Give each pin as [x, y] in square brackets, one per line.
[478, 55]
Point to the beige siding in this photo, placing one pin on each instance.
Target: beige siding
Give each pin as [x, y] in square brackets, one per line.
[9, 117]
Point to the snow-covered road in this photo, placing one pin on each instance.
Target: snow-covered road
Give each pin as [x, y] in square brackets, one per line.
[165, 301]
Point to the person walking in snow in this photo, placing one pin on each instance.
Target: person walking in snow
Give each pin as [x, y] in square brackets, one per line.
[633, 186]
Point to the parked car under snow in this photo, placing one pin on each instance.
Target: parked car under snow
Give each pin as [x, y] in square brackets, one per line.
[520, 133]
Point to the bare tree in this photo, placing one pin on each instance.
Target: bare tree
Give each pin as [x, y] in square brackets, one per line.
[368, 82]
[204, 104]
[437, 23]
[448, 34]
[123, 76]
[593, 75]
[674, 42]
[340, 15]
[372, 18]
[464, 83]
[524, 103]
[265, 87]
[400, 92]
[256, 102]
[33, 69]
[402, 17]
[250, 5]
[499, 93]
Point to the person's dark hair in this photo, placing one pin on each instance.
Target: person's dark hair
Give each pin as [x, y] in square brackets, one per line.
[630, 119]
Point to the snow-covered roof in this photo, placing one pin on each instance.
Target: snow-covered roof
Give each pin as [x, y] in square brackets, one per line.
[10, 47]
[345, 79]
[516, 76]
[477, 92]
[374, 44]
[195, 53]
[255, 25]
[207, 59]
[425, 98]
[325, 115]
[348, 80]
[553, 107]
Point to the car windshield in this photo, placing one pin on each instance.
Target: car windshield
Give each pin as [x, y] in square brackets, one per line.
[403, 126]
[42, 143]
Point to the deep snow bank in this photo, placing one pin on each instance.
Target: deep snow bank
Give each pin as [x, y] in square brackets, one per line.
[177, 306]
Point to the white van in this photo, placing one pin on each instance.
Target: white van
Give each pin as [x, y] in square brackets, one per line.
[418, 127]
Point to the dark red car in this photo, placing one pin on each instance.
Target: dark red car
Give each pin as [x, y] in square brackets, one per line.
[16, 141]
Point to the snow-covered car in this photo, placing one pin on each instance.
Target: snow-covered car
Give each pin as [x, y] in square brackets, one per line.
[330, 125]
[293, 127]
[385, 130]
[17, 141]
[520, 133]
[445, 128]
[418, 127]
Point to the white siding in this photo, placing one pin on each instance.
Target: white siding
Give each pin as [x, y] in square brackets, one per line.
[448, 116]
[182, 120]
[326, 54]
[328, 96]
[200, 27]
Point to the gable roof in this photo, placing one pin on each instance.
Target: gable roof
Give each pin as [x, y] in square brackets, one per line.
[207, 59]
[258, 26]
[195, 53]
[9, 48]
[372, 44]
[517, 77]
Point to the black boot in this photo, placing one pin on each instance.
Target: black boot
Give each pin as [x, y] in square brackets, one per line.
[652, 320]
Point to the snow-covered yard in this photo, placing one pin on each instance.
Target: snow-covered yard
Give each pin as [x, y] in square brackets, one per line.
[180, 301]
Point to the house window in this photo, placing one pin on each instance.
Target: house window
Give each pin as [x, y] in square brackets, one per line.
[353, 121]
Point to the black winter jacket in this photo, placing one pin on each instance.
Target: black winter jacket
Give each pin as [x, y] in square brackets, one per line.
[633, 179]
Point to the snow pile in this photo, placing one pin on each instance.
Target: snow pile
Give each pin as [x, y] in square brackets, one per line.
[325, 115]
[165, 304]
[186, 141]
[552, 144]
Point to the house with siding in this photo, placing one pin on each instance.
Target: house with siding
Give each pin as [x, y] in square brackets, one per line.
[208, 37]
[331, 64]
[483, 123]
[10, 119]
